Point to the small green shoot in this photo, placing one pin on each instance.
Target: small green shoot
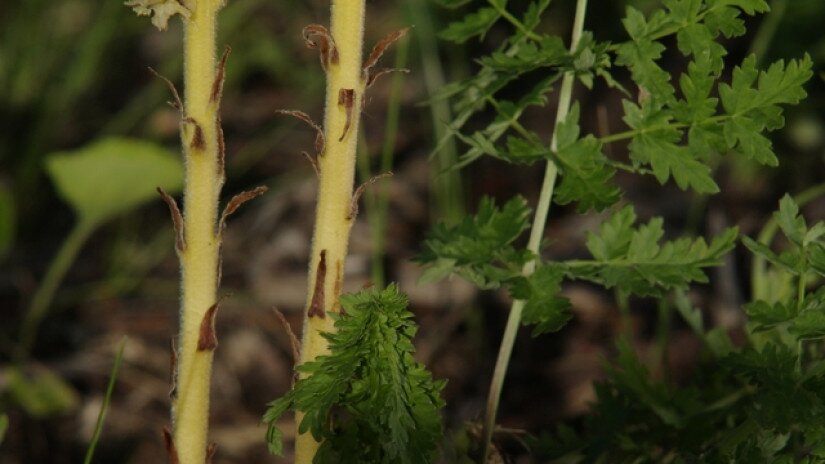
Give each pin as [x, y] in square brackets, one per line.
[104, 407]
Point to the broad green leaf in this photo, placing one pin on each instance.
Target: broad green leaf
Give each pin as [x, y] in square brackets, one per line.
[4, 426]
[112, 176]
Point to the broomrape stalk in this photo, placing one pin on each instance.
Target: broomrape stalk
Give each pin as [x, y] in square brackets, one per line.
[341, 58]
[534, 243]
[348, 77]
[198, 233]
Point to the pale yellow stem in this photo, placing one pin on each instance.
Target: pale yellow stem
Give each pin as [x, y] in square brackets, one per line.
[200, 258]
[337, 174]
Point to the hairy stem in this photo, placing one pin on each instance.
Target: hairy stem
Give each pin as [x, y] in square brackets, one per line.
[333, 217]
[536, 235]
[200, 256]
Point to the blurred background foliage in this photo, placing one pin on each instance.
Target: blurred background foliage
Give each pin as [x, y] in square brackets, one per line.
[74, 73]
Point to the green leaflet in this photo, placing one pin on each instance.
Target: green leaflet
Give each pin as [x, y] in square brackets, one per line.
[480, 248]
[656, 143]
[752, 104]
[586, 177]
[543, 307]
[368, 400]
[474, 24]
[634, 260]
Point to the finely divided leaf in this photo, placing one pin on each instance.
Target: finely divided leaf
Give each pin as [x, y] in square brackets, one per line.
[480, 249]
[543, 306]
[586, 176]
[656, 144]
[368, 400]
[634, 260]
[474, 24]
[752, 103]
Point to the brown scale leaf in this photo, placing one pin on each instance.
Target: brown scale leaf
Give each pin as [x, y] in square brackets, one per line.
[198, 141]
[221, 146]
[169, 443]
[325, 44]
[176, 102]
[236, 203]
[339, 277]
[207, 337]
[353, 208]
[173, 365]
[346, 98]
[177, 220]
[373, 76]
[316, 306]
[211, 449]
[320, 141]
[217, 84]
[294, 343]
[313, 163]
[379, 49]
[219, 271]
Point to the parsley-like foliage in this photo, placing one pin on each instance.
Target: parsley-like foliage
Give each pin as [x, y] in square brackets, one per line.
[678, 126]
[763, 402]
[367, 401]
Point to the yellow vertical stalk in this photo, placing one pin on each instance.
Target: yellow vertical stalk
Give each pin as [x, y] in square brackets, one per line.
[200, 257]
[336, 164]
[198, 233]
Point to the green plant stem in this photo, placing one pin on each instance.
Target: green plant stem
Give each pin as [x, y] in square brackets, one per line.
[448, 192]
[382, 201]
[534, 243]
[513, 20]
[662, 336]
[800, 300]
[767, 29]
[101, 416]
[623, 302]
[42, 299]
